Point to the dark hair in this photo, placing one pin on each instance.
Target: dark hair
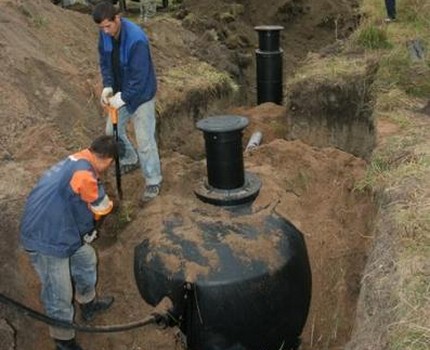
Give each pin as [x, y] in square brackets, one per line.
[104, 147]
[104, 10]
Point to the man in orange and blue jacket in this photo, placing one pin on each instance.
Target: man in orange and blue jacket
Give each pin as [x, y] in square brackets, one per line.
[58, 223]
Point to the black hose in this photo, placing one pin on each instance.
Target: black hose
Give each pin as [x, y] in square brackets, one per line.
[154, 318]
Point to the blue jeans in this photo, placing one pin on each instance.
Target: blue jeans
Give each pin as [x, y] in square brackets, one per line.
[390, 5]
[58, 276]
[147, 151]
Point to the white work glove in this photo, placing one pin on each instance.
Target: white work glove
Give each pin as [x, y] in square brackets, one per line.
[116, 101]
[91, 236]
[106, 93]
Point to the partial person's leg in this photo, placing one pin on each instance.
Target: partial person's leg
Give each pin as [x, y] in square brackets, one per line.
[83, 266]
[144, 126]
[57, 291]
[84, 273]
[390, 5]
[128, 154]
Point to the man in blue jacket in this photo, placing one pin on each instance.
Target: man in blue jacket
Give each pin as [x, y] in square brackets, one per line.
[129, 85]
[58, 223]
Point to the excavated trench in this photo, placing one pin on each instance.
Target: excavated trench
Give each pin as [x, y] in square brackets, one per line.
[311, 160]
[312, 183]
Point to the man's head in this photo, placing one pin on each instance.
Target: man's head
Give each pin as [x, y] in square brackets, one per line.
[106, 16]
[105, 150]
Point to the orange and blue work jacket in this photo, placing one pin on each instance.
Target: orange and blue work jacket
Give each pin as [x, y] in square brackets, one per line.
[63, 207]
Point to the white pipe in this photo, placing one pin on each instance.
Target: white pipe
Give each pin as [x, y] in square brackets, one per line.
[254, 140]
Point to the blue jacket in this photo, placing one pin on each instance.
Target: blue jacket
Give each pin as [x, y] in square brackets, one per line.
[55, 216]
[138, 81]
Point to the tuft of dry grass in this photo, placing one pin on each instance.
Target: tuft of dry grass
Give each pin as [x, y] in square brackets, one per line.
[191, 79]
[333, 68]
[396, 284]
[393, 100]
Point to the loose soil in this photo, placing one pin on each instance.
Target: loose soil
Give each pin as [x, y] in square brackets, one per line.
[49, 104]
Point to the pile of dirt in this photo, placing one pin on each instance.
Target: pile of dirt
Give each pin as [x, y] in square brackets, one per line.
[50, 77]
[50, 108]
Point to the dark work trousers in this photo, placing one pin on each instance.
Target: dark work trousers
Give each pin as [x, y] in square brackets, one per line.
[390, 5]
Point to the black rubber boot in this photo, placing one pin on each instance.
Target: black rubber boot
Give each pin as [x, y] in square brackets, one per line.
[91, 309]
[70, 344]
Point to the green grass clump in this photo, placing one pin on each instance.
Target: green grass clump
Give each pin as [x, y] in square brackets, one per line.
[399, 66]
[373, 37]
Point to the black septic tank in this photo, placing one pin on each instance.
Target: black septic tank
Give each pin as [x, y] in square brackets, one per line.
[238, 275]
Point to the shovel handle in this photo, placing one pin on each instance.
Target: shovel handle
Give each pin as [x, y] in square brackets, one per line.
[113, 114]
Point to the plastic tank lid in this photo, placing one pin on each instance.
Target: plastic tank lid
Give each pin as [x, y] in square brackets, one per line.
[223, 123]
[269, 28]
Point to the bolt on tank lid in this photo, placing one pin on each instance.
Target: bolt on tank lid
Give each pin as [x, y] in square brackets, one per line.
[224, 123]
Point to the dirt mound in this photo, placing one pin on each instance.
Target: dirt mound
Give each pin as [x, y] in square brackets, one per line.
[48, 67]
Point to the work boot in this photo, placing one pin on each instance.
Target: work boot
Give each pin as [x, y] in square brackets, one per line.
[151, 191]
[89, 310]
[70, 344]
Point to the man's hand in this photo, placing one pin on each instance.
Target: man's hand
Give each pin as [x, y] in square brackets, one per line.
[91, 236]
[116, 101]
[106, 93]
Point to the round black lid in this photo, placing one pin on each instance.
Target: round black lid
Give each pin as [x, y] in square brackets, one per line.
[223, 123]
[269, 28]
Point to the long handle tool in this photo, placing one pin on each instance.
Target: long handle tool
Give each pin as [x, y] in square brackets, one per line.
[113, 115]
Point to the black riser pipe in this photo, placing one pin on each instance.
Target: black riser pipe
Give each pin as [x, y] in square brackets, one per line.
[269, 64]
[225, 160]
[269, 77]
[268, 40]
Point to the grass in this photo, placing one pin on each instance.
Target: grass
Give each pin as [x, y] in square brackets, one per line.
[394, 100]
[124, 215]
[372, 37]
[396, 162]
[412, 330]
[400, 168]
[337, 68]
[403, 175]
[393, 42]
[198, 81]
[200, 76]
